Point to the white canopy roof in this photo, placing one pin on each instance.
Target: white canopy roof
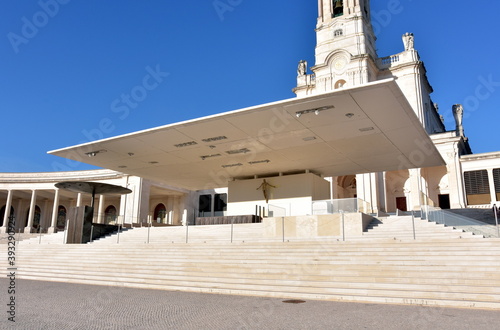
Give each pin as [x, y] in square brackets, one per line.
[366, 129]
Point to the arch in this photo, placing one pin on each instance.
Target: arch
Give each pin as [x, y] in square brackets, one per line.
[2, 213]
[61, 217]
[348, 186]
[110, 215]
[160, 213]
[338, 8]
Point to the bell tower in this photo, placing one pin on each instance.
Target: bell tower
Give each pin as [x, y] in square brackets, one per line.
[345, 48]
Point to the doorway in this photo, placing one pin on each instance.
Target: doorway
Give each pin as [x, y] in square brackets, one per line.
[401, 204]
[444, 201]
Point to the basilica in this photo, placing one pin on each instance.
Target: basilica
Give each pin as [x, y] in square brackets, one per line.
[362, 135]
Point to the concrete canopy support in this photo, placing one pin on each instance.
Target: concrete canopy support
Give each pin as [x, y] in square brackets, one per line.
[55, 209]
[491, 181]
[6, 215]
[31, 214]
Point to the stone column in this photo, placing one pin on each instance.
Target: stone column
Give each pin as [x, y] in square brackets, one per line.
[170, 210]
[55, 209]
[100, 213]
[79, 200]
[31, 214]
[5, 226]
[491, 181]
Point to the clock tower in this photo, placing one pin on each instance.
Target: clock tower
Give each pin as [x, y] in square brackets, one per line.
[345, 49]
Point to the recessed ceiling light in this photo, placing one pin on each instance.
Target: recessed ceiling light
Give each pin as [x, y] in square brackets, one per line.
[259, 162]
[309, 138]
[238, 151]
[366, 129]
[217, 138]
[232, 165]
[185, 144]
[122, 166]
[153, 162]
[210, 156]
[349, 115]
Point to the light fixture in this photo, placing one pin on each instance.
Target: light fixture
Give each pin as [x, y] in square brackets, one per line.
[366, 129]
[309, 138]
[131, 154]
[315, 110]
[349, 115]
[94, 153]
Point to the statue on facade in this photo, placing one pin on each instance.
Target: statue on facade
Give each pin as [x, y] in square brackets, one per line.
[265, 187]
[408, 41]
[458, 113]
[302, 68]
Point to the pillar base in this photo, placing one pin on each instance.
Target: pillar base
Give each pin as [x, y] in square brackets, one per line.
[3, 230]
[51, 230]
[27, 230]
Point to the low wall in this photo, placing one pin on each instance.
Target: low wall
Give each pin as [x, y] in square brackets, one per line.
[310, 226]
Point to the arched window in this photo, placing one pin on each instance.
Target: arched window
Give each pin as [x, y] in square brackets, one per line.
[61, 217]
[338, 8]
[2, 213]
[36, 218]
[338, 33]
[110, 215]
[160, 213]
[340, 84]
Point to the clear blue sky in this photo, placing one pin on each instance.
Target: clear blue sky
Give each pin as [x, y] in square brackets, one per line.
[62, 74]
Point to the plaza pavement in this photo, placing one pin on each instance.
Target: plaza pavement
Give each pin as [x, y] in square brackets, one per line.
[61, 306]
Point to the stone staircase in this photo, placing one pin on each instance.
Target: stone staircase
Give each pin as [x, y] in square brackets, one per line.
[401, 227]
[386, 265]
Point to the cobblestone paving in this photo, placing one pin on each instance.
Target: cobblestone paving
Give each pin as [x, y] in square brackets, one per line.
[50, 305]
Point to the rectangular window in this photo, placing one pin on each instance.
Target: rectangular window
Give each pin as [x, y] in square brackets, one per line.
[477, 187]
[205, 206]
[496, 178]
[220, 204]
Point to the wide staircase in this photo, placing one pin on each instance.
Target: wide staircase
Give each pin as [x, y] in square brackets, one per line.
[438, 266]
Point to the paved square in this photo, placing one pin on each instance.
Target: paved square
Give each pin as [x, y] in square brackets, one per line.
[51, 305]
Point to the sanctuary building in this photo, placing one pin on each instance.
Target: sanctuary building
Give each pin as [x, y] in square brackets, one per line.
[362, 135]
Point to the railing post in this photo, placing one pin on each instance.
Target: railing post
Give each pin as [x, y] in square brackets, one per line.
[413, 221]
[118, 235]
[283, 228]
[232, 224]
[187, 231]
[496, 220]
[343, 226]
[91, 233]
[40, 232]
[149, 229]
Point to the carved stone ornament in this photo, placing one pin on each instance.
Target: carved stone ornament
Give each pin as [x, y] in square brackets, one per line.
[302, 68]
[408, 41]
[458, 113]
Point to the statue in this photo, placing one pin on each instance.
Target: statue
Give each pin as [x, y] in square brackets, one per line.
[458, 113]
[302, 69]
[265, 187]
[408, 41]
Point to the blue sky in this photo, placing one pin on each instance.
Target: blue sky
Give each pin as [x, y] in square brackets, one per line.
[65, 65]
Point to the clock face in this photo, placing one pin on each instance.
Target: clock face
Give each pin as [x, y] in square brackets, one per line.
[340, 64]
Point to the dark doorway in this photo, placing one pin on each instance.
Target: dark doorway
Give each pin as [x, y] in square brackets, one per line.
[401, 204]
[444, 201]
